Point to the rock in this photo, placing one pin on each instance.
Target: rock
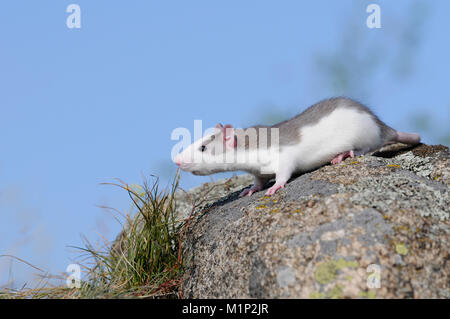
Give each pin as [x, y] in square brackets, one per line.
[341, 231]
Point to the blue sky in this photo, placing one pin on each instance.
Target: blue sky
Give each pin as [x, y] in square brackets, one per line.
[83, 106]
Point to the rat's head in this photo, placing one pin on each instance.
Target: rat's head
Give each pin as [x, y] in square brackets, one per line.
[207, 155]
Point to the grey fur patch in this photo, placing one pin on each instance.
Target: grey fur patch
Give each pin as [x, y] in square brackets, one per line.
[290, 130]
[254, 137]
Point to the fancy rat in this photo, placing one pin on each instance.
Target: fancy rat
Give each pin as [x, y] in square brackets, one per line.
[328, 131]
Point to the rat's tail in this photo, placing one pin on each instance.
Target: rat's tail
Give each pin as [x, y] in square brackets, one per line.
[407, 138]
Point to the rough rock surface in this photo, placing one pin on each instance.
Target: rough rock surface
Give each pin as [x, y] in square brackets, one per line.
[336, 232]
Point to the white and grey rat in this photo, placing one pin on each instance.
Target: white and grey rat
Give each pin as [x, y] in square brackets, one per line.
[328, 131]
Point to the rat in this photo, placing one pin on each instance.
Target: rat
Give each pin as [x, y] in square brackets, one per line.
[327, 132]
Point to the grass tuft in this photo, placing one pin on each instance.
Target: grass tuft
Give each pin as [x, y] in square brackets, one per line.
[145, 261]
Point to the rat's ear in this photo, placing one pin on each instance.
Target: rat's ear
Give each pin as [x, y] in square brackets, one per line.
[219, 125]
[229, 137]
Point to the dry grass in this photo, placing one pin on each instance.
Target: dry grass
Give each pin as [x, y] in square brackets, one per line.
[147, 261]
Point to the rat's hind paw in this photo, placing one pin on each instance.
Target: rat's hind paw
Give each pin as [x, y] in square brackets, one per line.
[339, 158]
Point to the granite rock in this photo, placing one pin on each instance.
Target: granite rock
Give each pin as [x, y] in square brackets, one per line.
[376, 226]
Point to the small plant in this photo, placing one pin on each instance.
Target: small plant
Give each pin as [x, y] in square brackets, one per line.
[145, 260]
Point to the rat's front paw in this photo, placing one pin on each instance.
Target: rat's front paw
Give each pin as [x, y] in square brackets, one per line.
[250, 191]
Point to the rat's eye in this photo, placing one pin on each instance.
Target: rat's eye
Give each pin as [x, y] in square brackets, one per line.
[202, 148]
